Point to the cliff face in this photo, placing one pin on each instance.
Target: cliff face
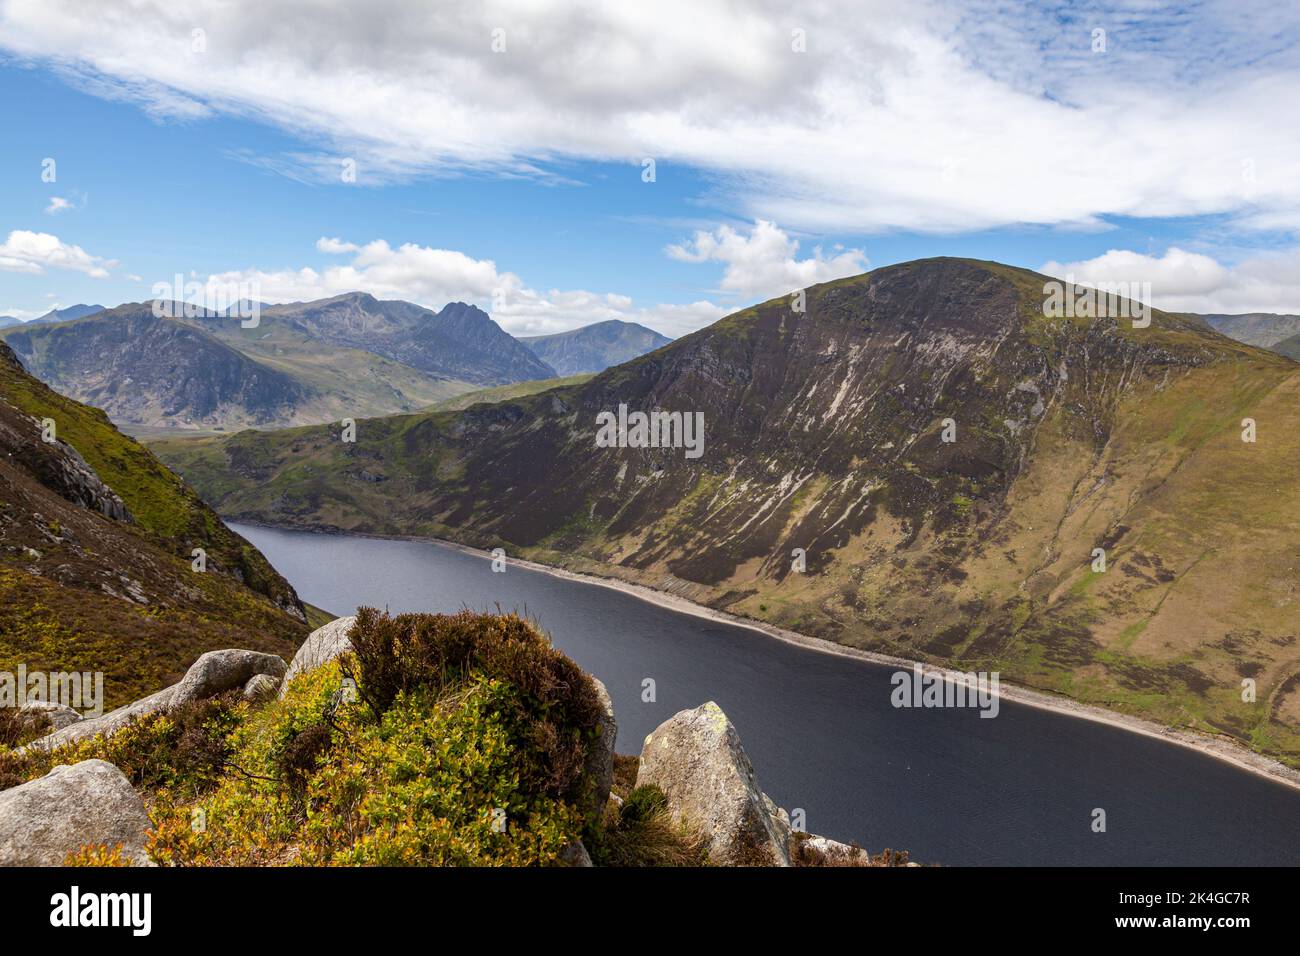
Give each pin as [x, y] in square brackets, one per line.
[946, 458]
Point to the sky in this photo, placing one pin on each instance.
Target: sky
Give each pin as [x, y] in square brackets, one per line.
[561, 163]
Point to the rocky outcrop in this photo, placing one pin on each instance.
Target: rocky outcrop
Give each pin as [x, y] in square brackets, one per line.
[820, 851]
[322, 646]
[696, 759]
[58, 466]
[600, 762]
[217, 671]
[211, 674]
[575, 854]
[84, 804]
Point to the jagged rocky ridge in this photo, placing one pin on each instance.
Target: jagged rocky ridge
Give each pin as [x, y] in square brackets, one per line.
[146, 369]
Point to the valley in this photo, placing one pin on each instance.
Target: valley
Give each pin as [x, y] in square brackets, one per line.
[825, 433]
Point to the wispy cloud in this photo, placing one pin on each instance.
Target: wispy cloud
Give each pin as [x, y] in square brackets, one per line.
[836, 116]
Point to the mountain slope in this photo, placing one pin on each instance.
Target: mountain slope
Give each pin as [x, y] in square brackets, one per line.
[825, 431]
[96, 542]
[208, 372]
[1265, 329]
[1290, 347]
[594, 348]
[504, 393]
[148, 370]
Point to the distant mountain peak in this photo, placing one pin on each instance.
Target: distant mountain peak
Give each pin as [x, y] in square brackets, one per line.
[69, 313]
[595, 347]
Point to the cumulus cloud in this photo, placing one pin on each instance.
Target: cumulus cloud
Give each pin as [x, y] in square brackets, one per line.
[433, 277]
[765, 263]
[1183, 281]
[34, 252]
[845, 116]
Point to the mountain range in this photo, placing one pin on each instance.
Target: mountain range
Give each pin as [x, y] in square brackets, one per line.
[349, 356]
[920, 463]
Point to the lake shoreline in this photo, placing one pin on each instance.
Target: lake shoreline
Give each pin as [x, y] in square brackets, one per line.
[1223, 749]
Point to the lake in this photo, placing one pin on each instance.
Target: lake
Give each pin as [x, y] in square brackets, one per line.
[945, 784]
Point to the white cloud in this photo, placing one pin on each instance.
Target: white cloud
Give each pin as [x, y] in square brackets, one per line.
[433, 277]
[58, 204]
[1184, 281]
[943, 116]
[24, 315]
[764, 264]
[34, 252]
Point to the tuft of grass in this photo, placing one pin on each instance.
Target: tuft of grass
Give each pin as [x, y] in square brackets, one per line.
[642, 832]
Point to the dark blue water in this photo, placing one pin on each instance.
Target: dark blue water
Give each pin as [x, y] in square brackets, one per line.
[943, 783]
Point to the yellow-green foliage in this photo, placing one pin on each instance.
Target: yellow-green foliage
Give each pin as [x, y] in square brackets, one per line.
[185, 751]
[97, 855]
[461, 740]
[417, 785]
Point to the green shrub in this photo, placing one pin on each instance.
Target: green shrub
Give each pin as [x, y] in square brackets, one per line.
[556, 707]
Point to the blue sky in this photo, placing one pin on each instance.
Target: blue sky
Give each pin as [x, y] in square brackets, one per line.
[544, 211]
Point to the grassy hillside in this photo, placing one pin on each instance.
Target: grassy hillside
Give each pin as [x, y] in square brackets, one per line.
[505, 393]
[825, 433]
[82, 589]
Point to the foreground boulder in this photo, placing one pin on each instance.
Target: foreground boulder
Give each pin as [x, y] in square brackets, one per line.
[87, 803]
[212, 673]
[696, 759]
[217, 671]
[322, 646]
